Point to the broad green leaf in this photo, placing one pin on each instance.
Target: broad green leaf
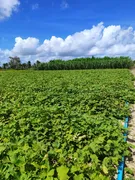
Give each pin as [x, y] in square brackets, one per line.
[50, 173]
[2, 148]
[105, 170]
[62, 173]
[79, 177]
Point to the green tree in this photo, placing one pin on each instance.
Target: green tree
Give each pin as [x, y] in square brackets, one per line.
[5, 66]
[29, 64]
[24, 66]
[15, 62]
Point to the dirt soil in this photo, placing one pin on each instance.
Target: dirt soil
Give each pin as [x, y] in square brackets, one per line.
[130, 163]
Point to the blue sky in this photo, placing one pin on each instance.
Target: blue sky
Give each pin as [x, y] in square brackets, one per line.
[60, 18]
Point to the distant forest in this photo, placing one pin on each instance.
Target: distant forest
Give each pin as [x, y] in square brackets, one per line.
[78, 63]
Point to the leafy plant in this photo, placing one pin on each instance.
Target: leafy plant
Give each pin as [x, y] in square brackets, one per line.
[59, 125]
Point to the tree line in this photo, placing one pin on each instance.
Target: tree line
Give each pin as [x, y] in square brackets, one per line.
[86, 63]
[77, 63]
[15, 63]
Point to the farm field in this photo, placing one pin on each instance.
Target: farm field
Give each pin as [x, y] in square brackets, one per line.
[60, 125]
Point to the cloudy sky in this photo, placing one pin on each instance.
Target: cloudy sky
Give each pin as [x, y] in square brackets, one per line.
[50, 29]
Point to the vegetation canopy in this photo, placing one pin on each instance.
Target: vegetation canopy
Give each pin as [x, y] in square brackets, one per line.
[60, 125]
[78, 63]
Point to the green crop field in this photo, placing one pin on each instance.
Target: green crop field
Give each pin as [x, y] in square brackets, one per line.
[60, 125]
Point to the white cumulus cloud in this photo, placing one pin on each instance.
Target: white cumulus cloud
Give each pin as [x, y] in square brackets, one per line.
[4, 54]
[77, 44]
[7, 7]
[25, 47]
[97, 41]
